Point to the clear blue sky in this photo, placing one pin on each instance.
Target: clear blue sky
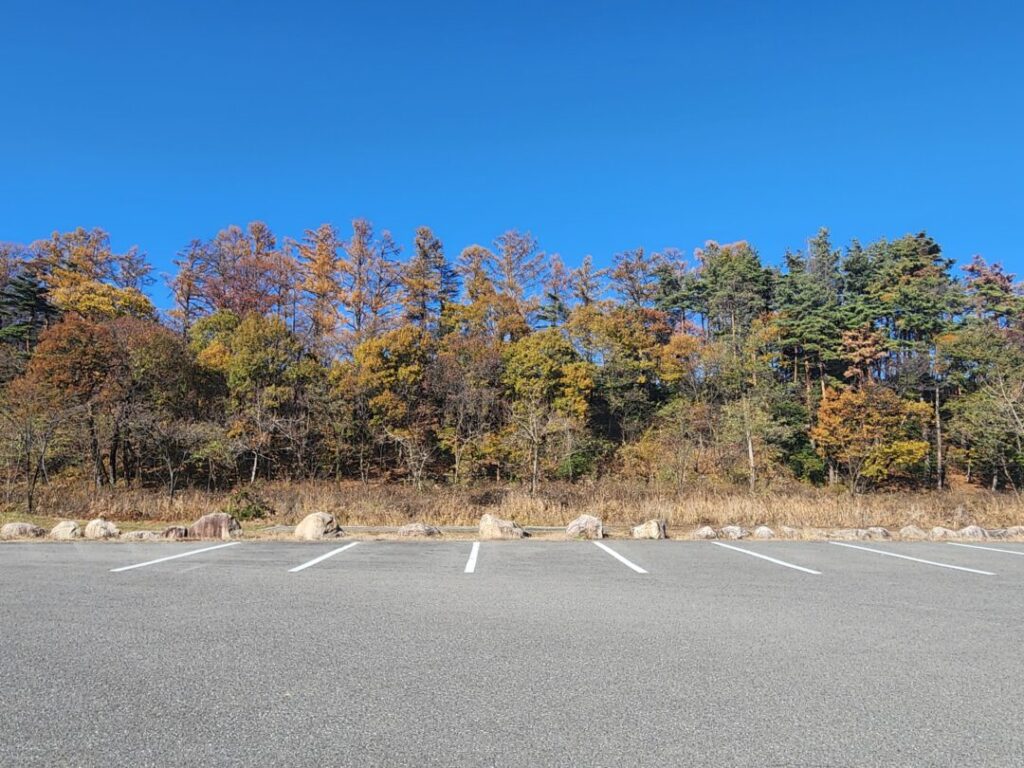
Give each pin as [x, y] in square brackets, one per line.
[597, 126]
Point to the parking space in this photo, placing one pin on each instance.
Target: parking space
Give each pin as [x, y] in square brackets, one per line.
[542, 653]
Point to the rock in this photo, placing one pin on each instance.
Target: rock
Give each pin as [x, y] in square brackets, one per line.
[911, 532]
[101, 529]
[140, 536]
[585, 527]
[66, 530]
[763, 532]
[997, 533]
[733, 532]
[21, 531]
[787, 532]
[319, 525]
[877, 532]
[705, 532]
[972, 532]
[419, 529]
[216, 525]
[492, 527]
[652, 529]
[1015, 530]
[938, 532]
[849, 534]
[175, 532]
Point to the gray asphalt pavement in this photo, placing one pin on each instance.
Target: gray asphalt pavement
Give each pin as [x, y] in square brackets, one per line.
[546, 654]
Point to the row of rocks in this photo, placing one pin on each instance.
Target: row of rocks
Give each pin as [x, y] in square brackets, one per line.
[322, 525]
[217, 525]
[875, 533]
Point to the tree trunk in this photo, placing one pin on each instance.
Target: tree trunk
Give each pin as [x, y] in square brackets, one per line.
[938, 442]
[94, 445]
[750, 444]
[255, 462]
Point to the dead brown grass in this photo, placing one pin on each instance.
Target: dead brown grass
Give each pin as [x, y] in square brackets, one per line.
[616, 502]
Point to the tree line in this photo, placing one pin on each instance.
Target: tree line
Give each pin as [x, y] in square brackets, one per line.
[336, 356]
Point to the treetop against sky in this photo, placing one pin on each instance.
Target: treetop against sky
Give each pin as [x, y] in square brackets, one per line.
[597, 126]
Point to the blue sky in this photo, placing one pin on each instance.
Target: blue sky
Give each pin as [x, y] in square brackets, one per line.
[597, 126]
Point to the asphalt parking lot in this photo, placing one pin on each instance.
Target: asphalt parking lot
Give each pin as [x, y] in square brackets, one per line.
[447, 653]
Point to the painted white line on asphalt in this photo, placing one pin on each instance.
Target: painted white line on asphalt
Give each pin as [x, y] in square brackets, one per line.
[172, 557]
[619, 557]
[471, 563]
[990, 549]
[320, 559]
[915, 559]
[769, 559]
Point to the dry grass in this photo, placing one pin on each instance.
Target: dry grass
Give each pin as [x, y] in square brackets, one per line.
[617, 503]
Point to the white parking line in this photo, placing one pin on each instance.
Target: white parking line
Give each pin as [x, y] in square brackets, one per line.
[915, 559]
[320, 559]
[471, 563]
[990, 549]
[172, 557]
[769, 559]
[619, 557]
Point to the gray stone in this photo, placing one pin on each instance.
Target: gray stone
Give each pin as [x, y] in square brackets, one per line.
[733, 532]
[911, 532]
[849, 534]
[787, 532]
[652, 529]
[585, 527]
[20, 531]
[319, 525]
[1015, 530]
[763, 532]
[419, 530]
[997, 533]
[66, 530]
[878, 533]
[972, 532]
[140, 536]
[175, 532]
[705, 532]
[938, 532]
[492, 527]
[101, 529]
[216, 525]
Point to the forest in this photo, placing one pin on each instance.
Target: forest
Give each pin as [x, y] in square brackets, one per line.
[334, 357]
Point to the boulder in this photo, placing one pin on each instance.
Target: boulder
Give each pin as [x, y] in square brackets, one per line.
[175, 532]
[787, 532]
[763, 532]
[585, 527]
[319, 525]
[997, 533]
[878, 533]
[705, 532]
[911, 532]
[938, 532]
[101, 529]
[21, 531]
[140, 536]
[849, 534]
[419, 530]
[1015, 530]
[972, 532]
[66, 530]
[733, 532]
[216, 525]
[652, 529]
[492, 527]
